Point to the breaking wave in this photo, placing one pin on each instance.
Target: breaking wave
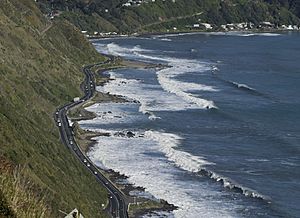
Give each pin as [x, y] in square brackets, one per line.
[243, 86]
[168, 145]
[241, 34]
[230, 33]
[151, 98]
[227, 183]
[167, 77]
[149, 162]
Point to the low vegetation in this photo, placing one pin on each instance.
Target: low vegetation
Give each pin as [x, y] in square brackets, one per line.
[40, 69]
[19, 197]
[110, 16]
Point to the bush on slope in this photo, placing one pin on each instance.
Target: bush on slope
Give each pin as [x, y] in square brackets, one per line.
[40, 69]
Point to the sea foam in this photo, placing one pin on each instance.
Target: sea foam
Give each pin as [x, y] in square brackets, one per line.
[167, 77]
[149, 162]
[155, 161]
[168, 143]
[230, 33]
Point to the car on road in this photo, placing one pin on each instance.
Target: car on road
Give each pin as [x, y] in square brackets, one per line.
[95, 172]
[84, 160]
[88, 165]
[59, 124]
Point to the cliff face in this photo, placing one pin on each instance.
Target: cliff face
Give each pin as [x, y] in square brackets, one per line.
[40, 69]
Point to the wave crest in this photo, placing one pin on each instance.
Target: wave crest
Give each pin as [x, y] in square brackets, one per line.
[227, 183]
[168, 143]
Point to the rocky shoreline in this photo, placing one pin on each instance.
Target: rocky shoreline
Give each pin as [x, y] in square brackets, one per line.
[247, 28]
[138, 205]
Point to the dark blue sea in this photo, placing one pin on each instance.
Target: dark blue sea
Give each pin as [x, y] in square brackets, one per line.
[216, 128]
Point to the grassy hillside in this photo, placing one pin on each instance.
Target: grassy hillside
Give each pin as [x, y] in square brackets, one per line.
[215, 12]
[40, 66]
[161, 15]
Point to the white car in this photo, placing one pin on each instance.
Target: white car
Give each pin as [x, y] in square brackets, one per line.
[88, 165]
[95, 172]
[84, 160]
[59, 124]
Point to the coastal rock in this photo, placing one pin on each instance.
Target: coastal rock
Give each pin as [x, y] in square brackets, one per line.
[130, 134]
[107, 134]
[120, 134]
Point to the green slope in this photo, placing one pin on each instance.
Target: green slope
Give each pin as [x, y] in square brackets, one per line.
[162, 15]
[40, 66]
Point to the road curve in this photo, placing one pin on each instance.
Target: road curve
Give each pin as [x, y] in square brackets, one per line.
[117, 206]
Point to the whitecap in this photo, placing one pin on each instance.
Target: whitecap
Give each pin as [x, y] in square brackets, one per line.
[156, 173]
[241, 85]
[166, 39]
[153, 97]
[230, 184]
[168, 145]
[240, 34]
[167, 77]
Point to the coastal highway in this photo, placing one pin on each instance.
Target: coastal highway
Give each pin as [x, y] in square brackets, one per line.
[117, 206]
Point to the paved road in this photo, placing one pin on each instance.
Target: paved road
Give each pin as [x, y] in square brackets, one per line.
[168, 20]
[117, 206]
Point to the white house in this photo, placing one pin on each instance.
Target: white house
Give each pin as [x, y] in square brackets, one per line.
[207, 26]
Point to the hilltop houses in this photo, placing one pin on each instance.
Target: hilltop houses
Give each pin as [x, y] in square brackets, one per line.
[131, 3]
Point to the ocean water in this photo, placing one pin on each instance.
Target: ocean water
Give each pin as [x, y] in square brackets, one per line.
[216, 133]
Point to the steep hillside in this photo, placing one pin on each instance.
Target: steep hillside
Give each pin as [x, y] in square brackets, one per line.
[104, 15]
[215, 12]
[292, 5]
[40, 64]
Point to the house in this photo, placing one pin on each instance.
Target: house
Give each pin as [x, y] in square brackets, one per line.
[207, 26]
[266, 24]
[127, 4]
